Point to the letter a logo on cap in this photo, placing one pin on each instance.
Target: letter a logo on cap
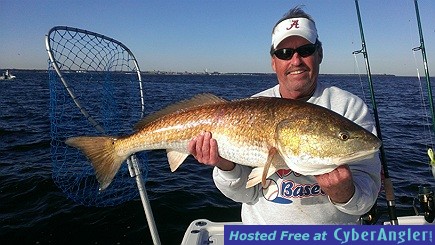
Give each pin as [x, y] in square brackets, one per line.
[302, 27]
[295, 24]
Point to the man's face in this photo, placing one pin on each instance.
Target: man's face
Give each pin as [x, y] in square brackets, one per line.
[297, 76]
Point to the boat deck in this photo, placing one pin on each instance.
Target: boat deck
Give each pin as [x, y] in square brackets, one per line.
[203, 231]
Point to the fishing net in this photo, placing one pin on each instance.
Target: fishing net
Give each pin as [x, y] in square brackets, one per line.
[95, 89]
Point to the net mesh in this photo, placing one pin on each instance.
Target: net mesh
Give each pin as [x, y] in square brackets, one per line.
[95, 89]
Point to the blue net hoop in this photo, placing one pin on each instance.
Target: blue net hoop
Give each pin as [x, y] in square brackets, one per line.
[95, 89]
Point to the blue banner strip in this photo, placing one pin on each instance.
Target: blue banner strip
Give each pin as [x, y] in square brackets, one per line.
[328, 234]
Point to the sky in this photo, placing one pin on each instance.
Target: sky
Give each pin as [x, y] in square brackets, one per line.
[224, 35]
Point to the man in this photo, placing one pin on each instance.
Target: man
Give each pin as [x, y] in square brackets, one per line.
[338, 197]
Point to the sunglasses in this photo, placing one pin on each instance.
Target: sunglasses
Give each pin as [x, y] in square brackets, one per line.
[303, 51]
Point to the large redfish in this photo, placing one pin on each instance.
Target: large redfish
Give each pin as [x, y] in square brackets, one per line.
[265, 133]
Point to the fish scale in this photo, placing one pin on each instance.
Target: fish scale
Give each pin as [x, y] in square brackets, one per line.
[264, 133]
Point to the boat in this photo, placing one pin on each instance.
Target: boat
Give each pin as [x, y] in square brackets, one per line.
[7, 76]
[203, 231]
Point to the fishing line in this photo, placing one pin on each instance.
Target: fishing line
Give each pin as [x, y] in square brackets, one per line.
[428, 135]
[425, 194]
[388, 185]
[428, 83]
[358, 72]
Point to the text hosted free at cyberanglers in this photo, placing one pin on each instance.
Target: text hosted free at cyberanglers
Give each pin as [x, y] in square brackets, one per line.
[332, 234]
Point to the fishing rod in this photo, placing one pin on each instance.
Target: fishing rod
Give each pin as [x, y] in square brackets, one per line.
[426, 68]
[388, 185]
[425, 194]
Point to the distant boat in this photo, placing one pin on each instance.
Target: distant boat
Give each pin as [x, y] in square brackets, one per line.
[7, 76]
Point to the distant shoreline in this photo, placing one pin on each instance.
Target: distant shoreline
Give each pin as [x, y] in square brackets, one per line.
[207, 73]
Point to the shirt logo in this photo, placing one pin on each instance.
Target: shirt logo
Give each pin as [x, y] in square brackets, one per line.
[283, 190]
[295, 24]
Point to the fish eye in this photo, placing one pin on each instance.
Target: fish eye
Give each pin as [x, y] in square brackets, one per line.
[343, 135]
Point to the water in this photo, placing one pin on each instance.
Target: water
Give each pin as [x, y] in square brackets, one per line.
[33, 210]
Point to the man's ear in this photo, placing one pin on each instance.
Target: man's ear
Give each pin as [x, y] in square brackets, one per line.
[272, 60]
[320, 53]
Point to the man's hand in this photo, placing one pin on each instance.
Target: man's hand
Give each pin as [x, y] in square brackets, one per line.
[205, 149]
[337, 184]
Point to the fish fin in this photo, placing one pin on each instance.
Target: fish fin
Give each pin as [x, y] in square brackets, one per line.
[270, 158]
[102, 153]
[197, 100]
[260, 174]
[175, 158]
[256, 175]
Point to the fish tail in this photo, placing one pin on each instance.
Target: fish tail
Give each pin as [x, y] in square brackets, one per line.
[103, 154]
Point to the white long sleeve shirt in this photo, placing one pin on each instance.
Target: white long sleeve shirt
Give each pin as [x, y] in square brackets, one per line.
[291, 198]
